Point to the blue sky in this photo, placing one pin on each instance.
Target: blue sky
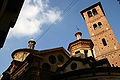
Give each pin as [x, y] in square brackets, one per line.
[58, 20]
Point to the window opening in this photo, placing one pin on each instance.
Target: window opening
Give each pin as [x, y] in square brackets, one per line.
[46, 67]
[94, 11]
[104, 42]
[52, 59]
[113, 65]
[86, 53]
[73, 66]
[95, 26]
[61, 58]
[99, 24]
[77, 52]
[89, 14]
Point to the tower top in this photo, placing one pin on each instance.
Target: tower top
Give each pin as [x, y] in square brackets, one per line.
[78, 35]
[87, 9]
[31, 44]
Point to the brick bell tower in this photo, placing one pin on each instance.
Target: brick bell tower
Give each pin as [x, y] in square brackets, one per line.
[105, 42]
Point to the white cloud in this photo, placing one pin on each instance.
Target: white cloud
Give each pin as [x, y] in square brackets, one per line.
[33, 15]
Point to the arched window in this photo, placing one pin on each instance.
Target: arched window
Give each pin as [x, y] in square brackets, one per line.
[77, 52]
[73, 66]
[99, 24]
[95, 26]
[94, 11]
[86, 53]
[46, 67]
[89, 14]
[104, 42]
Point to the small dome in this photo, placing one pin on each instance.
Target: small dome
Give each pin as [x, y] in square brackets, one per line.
[31, 40]
[78, 35]
[31, 43]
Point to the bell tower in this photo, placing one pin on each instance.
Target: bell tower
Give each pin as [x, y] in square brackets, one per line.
[100, 31]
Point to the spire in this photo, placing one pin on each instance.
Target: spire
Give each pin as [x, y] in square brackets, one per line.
[31, 44]
[78, 35]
